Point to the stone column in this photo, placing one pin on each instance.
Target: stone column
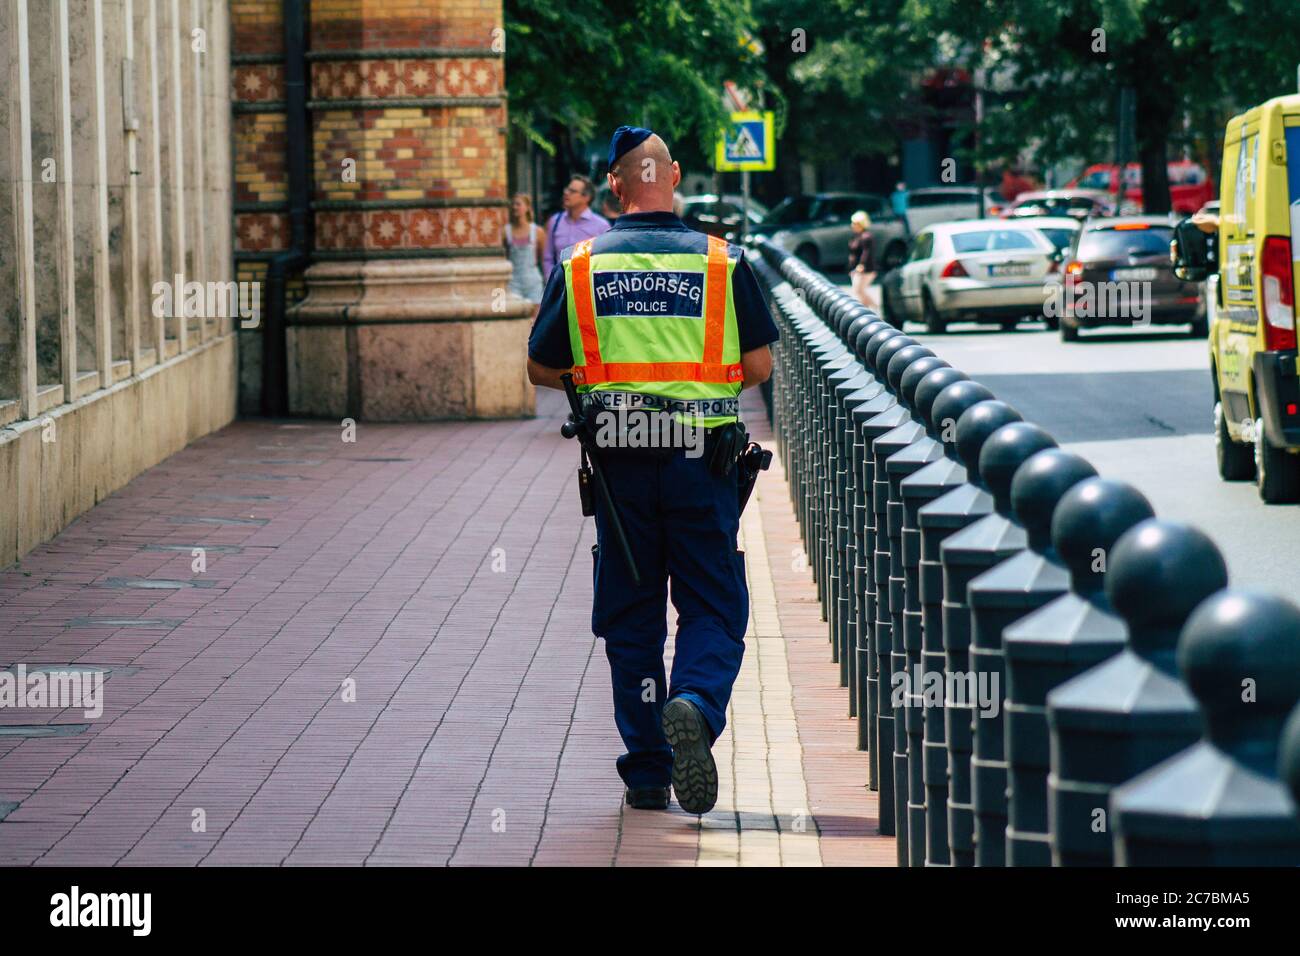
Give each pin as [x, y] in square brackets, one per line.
[90, 181]
[18, 376]
[406, 315]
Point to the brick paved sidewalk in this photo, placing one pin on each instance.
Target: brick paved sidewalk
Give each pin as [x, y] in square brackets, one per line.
[387, 659]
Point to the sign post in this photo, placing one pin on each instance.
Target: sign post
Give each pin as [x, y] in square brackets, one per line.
[746, 145]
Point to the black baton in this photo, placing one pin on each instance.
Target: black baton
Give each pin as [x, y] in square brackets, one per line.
[576, 427]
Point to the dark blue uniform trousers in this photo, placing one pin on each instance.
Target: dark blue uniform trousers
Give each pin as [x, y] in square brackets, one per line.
[681, 522]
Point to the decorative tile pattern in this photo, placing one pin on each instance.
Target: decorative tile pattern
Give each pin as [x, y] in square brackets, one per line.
[389, 79]
[261, 231]
[257, 82]
[466, 227]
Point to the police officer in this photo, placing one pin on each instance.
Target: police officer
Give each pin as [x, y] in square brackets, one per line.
[649, 313]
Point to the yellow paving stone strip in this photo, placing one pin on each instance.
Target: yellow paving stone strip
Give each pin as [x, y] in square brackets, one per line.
[762, 816]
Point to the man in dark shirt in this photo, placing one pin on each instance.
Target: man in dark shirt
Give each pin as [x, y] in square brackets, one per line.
[681, 515]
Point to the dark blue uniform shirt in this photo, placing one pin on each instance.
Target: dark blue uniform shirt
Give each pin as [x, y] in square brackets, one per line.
[649, 232]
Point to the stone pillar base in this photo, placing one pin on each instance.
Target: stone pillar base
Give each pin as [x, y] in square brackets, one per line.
[410, 340]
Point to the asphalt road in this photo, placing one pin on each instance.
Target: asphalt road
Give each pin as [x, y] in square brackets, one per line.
[1137, 405]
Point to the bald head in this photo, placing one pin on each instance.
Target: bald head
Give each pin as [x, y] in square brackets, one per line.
[645, 177]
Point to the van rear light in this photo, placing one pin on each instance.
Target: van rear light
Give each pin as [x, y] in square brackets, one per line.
[953, 270]
[1279, 294]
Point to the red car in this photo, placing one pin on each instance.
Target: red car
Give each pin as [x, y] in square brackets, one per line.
[1190, 186]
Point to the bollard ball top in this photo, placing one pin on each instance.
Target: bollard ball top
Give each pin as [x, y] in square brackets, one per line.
[889, 347]
[898, 363]
[1240, 655]
[1159, 571]
[931, 385]
[915, 373]
[856, 323]
[1004, 452]
[943, 399]
[1089, 519]
[841, 314]
[1038, 487]
[866, 334]
[974, 426]
[875, 344]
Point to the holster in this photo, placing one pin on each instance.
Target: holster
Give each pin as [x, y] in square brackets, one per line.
[728, 442]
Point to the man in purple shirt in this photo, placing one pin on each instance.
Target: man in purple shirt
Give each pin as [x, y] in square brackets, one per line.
[575, 223]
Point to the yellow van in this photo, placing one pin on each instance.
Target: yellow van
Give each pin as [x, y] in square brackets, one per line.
[1253, 331]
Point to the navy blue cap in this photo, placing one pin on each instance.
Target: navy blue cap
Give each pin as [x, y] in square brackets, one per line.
[626, 138]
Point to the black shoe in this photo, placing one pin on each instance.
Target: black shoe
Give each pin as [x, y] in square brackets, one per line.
[695, 775]
[647, 798]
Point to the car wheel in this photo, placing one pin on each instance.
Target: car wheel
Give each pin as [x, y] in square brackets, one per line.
[1008, 325]
[1053, 322]
[887, 311]
[1069, 333]
[808, 253]
[1236, 459]
[1200, 328]
[893, 257]
[935, 323]
[1277, 474]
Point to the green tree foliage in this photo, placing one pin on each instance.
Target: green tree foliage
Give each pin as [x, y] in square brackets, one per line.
[841, 74]
[1066, 60]
[580, 68]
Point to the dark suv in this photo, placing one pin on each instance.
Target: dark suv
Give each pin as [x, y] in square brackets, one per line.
[1117, 272]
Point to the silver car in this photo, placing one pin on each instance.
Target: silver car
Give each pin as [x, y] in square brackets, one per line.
[816, 228]
[979, 269]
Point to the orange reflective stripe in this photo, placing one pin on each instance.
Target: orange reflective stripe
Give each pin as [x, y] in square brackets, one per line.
[580, 269]
[592, 371]
[715, 301]
[658, 372]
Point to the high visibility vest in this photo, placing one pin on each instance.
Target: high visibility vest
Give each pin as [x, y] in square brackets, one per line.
[658, 324]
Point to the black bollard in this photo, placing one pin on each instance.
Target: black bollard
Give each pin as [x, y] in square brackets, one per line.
[829, 357]
[897, 429]
[845, 380]
[1129, 712]
[965, 554]
[881, 350]
[865, 412]
[1061, 640]
[1220, 802]
[906, 627]
[964, 434]
[999, 597]
[941, 398]
[855, 403]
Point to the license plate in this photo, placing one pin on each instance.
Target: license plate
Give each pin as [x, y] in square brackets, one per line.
[1010, 269]
[1145, 273]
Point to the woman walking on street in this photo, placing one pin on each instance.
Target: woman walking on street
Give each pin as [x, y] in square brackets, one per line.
[524, 241]
[862, 263]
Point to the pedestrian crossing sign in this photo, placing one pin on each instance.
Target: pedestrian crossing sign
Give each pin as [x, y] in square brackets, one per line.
[747, 144]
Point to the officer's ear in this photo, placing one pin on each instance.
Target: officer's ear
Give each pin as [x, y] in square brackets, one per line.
[677, 174]
[612, 182]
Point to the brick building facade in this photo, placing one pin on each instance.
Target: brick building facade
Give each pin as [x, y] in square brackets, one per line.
[402, 313]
